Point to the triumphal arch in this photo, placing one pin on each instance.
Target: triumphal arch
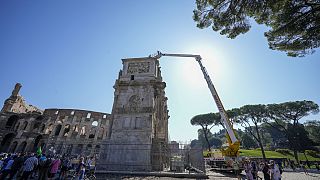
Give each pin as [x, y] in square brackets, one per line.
[138, 134]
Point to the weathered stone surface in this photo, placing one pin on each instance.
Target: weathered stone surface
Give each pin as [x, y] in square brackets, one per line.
[15, 103]
[60, 130]
[139, 119]
[134, 137]
[63, 131]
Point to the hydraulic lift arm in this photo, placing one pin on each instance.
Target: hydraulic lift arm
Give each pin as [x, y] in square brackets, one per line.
[232, 139]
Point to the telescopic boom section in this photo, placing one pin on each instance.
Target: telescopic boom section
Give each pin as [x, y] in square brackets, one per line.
[213, 91]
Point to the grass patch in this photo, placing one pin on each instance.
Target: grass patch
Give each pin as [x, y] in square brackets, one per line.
[273, 154]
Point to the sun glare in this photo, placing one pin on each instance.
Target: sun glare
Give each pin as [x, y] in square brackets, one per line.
[213, 58]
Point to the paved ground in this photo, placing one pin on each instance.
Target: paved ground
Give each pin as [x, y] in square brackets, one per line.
[285, 175]
[224, 176]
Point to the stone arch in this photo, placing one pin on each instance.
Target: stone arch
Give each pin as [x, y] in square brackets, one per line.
[101, 132]
[78, 149]
[69, 149]
[13, 147]
[36, 142]
[83, 131]
[66, 130]
[17, 126]
[39, 118]
[6, 141]
[49, 129]
[24, 125]
[59, 148]
[97, 149]
[93, 132]
[43, 145]
[43, 127]
[75, 131]
[58, 129]
[76, 128]
[36, 126]
[22, 147]
[88, 149]
[95, 123]
[11, 122]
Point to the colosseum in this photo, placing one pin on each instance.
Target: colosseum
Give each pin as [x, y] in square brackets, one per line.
[24, 128]
[133, 137]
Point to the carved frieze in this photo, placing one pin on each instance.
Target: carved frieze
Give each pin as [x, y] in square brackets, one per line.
[138, 67]
[131, 110]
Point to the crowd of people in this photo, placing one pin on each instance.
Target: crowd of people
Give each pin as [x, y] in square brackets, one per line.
[272, 170]
[24, 166]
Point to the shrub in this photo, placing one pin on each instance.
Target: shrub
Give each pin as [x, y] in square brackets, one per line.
[258, 149]
[283, 151]
[312, 153]
[268, 147]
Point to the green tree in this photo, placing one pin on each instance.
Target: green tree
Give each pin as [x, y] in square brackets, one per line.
[205, 121]
[247, 142]
[286, 116]
[202, 139]
[194, 143]
[279, 139]
[299, 138]
[251, 117]
[313, 128]
[213, 119]
[293, 25]
[216, 142]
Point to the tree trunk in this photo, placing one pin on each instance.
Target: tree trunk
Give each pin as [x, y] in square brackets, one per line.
[295, 152]
[260, 142]
[293, 148]
[304, 152]
[206, 137]
[262, 150]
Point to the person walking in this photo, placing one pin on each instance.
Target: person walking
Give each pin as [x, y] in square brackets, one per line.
[248, 169]
[89, 163]
[44, 165]
[7, 168]
[236, 169]
[16, 166]
[275, 172]
[28, 166]
[254, 170]
[54, 167]
[266, 171]
[66, 165]
[81, 169]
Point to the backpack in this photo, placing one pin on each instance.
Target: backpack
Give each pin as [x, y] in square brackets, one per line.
[47, 163]
[42, 161]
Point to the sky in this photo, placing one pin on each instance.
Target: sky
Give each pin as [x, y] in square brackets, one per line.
[67, 54]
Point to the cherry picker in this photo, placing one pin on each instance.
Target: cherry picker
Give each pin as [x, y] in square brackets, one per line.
[231, 151]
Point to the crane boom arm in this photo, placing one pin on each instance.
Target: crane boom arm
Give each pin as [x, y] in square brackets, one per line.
[213, 91]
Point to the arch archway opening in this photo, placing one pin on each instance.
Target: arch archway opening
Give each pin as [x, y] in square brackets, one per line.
[6, 141]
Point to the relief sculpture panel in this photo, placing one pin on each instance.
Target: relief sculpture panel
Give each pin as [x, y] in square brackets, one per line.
[138, 67]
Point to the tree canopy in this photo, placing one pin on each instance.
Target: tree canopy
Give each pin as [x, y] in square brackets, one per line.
[270, 126]
[206, 120]
[313, 128]
[250, 117]
[293, 25]
[286, 116]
